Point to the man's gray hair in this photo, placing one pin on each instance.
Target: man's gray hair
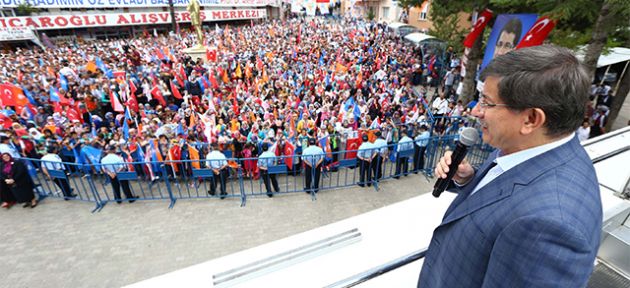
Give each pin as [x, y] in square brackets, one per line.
[546, 77]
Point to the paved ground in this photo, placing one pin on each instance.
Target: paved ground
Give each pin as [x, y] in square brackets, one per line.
[61, 244]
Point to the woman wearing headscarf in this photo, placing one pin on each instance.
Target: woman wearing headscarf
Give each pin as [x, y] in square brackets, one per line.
[14, 179]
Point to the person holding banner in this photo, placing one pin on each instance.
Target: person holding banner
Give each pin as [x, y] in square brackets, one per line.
[531, 214]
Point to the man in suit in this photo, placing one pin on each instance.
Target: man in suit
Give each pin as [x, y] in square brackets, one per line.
[530, 216]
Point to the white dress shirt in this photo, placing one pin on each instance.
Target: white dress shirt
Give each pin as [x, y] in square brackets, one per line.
[52, 162]
[507, 162]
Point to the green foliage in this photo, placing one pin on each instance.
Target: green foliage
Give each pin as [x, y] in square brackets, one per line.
[25, 9]
[446, 26]
[370, 15]
[575, 18]
[406, 4]
[571, 39]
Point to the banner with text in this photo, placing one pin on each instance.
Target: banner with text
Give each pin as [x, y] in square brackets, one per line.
[133, 3]
[16, 34]
[123, 19]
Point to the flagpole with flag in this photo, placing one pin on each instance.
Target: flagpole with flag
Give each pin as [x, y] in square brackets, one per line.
[538, 33]
[478, 27]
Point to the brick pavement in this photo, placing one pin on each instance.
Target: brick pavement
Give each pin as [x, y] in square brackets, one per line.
[61, 244]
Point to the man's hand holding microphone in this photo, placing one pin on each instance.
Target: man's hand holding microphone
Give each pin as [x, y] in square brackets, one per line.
[453, 166]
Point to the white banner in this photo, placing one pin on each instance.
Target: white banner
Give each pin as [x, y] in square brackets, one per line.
[18, 33]
[123, 19]
[134, 3]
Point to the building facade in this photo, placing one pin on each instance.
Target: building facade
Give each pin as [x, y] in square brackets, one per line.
[389, 11]
[119, 18]
[420, 17]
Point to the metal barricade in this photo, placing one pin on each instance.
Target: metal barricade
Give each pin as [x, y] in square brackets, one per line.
[239, 179]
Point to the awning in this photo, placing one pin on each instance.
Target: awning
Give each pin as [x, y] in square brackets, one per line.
[616, 55]
[418, 37]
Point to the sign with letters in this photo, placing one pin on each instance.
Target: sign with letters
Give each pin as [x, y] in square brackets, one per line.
[122, 19]
[134, 3]
[16, 33]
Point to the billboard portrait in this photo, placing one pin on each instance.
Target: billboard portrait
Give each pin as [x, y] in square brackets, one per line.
[507, 32]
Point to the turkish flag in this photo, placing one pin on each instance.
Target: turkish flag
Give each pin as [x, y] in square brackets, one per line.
[175, 91]
[182, 74]
[352, 145]
[289, 151]
[5, 121]
[132, 88]
[213, 80]
[211, 55]
[477, 29]
[157, 94]
[58, 108]
[73, 115]
[538, 33]
[6, 95]
[132, 103]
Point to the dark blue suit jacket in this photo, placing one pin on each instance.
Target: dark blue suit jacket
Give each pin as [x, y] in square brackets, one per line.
[536, 225]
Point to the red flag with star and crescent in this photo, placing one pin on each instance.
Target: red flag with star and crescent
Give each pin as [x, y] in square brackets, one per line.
[12, 95]
[289, 150]
[72, 115]
[538, 33]
[157, 94]
[211, 54]
[132, 87]
[175, 91]
[352, 145]
[477, 29]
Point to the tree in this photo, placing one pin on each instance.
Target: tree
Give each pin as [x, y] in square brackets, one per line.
[619, 99]
[598, 24]
[612, 18]
[446, 27]
[370, 14]
[25, 9]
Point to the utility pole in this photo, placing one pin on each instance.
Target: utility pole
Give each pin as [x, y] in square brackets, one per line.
[172, 10]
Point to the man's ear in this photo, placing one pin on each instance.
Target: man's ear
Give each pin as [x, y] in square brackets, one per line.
[534, 119]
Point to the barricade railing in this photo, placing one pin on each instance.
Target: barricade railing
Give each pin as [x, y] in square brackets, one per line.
[238, 178]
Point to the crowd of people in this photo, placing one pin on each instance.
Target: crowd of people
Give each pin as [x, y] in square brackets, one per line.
[276, 84]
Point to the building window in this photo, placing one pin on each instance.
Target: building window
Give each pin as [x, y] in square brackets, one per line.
[385, 12]
[424, 10]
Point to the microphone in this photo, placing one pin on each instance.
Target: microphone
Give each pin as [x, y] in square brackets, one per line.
[468, 137]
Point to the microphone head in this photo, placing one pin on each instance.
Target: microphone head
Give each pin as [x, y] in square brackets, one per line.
[469, 136]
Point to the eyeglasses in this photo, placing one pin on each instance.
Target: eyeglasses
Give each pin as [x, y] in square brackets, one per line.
[483, 104]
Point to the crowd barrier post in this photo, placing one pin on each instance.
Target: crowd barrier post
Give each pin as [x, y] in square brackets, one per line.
[241, 186]
[168, 185]
[100, 204]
